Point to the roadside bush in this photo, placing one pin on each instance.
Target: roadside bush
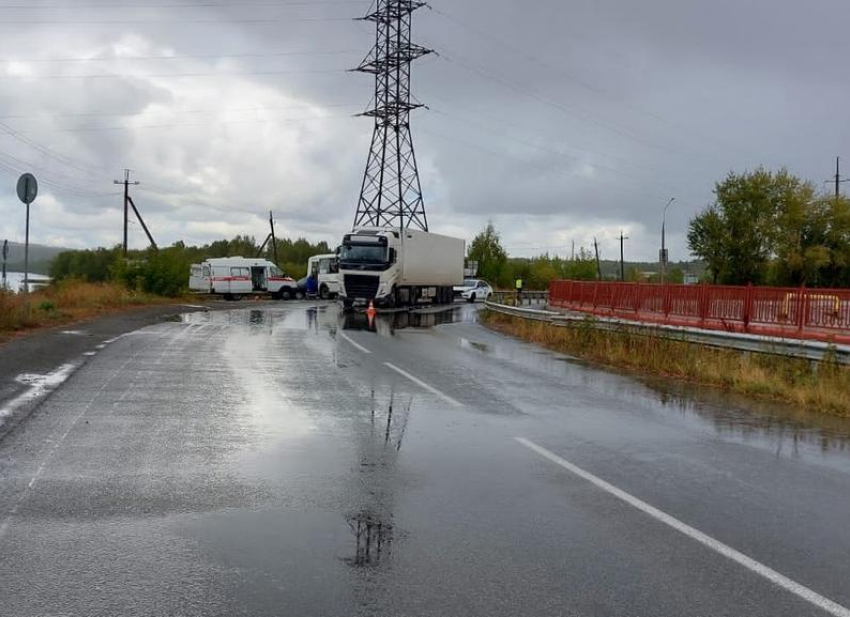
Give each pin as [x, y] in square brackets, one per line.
[162, 273]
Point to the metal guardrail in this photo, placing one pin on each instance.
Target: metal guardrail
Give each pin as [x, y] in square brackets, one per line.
[796, 348]
[525, 298]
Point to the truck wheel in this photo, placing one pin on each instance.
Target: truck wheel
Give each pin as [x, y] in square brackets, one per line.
[228, 297]
[324, 293]
[236, 297]
[471, 299]
[299, 295]
[285, 293]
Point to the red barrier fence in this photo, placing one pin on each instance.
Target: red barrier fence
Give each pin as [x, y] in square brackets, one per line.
[819, 314]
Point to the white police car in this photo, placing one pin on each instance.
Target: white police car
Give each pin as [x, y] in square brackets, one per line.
[473, 289]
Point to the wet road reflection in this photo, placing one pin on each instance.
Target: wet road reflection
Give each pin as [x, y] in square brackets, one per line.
[254, 461]
[378, 448]
[387, 323]
[785, 428]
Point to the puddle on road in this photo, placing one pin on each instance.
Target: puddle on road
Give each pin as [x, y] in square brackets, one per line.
[330, 317]
[386, 323]
[787, 429]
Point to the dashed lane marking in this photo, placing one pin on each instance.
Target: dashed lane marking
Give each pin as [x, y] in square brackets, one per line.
[424, 385]
[352, 342]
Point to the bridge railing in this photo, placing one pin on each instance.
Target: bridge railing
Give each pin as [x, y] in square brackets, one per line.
[821, 314]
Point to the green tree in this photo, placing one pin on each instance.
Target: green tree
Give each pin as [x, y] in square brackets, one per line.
[676, 276]
[708, 238]
[582, 268]
[756, 217]
[487, 250]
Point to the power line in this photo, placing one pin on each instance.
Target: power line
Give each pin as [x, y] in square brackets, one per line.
[584, 151]
[501, 43]
[183, 56]
[177, 6]
[160, 22]
[65, 160]
[549, 150]
[575, 111]
[204, 125]
[557, 171]
[222, 110]
[158, 75]
[17, 167]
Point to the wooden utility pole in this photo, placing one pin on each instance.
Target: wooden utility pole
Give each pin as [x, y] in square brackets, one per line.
[623, 238]
[598, 267]
[128, 203]
[271, 237]
[126, 184]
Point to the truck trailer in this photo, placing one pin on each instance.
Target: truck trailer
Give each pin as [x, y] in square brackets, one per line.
[394, 267]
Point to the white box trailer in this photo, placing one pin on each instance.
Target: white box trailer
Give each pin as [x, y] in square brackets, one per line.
[234, 277]
[396, 268]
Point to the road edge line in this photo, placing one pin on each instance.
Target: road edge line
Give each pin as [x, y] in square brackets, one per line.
[780, 580]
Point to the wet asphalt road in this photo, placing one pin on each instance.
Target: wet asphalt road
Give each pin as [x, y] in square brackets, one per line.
[288, 461]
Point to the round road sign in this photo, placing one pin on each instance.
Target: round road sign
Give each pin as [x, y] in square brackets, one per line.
[27, 188]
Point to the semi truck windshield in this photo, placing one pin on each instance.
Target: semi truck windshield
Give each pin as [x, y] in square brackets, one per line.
[372, 254]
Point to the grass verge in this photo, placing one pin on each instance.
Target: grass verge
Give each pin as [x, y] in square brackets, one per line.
[66, 302]
[818, 386]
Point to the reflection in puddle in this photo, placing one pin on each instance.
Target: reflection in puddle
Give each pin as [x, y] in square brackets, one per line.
[788, 428]
[387, 322]
[373, 537]
[377, 451]
[783, 428]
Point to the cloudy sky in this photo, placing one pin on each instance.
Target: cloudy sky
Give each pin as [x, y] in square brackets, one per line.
[559, 121]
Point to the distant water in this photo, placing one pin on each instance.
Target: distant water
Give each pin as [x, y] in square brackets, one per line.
[15, 281]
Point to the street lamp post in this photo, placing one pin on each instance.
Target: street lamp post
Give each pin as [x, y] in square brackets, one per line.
[662, 257]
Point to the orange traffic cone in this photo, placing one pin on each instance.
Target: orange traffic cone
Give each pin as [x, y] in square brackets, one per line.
[370, 313]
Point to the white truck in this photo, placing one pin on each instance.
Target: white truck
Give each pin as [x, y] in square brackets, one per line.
[399, 268]
[234, 277]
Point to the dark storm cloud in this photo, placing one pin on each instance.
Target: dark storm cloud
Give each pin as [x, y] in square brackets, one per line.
[558, 120]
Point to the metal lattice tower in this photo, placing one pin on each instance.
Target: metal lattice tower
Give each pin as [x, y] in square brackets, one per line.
[391, 195]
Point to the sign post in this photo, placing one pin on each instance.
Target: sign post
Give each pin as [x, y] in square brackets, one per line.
[27, 190]
[5, 255]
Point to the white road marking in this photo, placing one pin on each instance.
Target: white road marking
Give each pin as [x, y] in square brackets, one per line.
[833, 608]
[424, 385]
[89, 353]
[352, 342]
[39, 386]
[4, 526]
